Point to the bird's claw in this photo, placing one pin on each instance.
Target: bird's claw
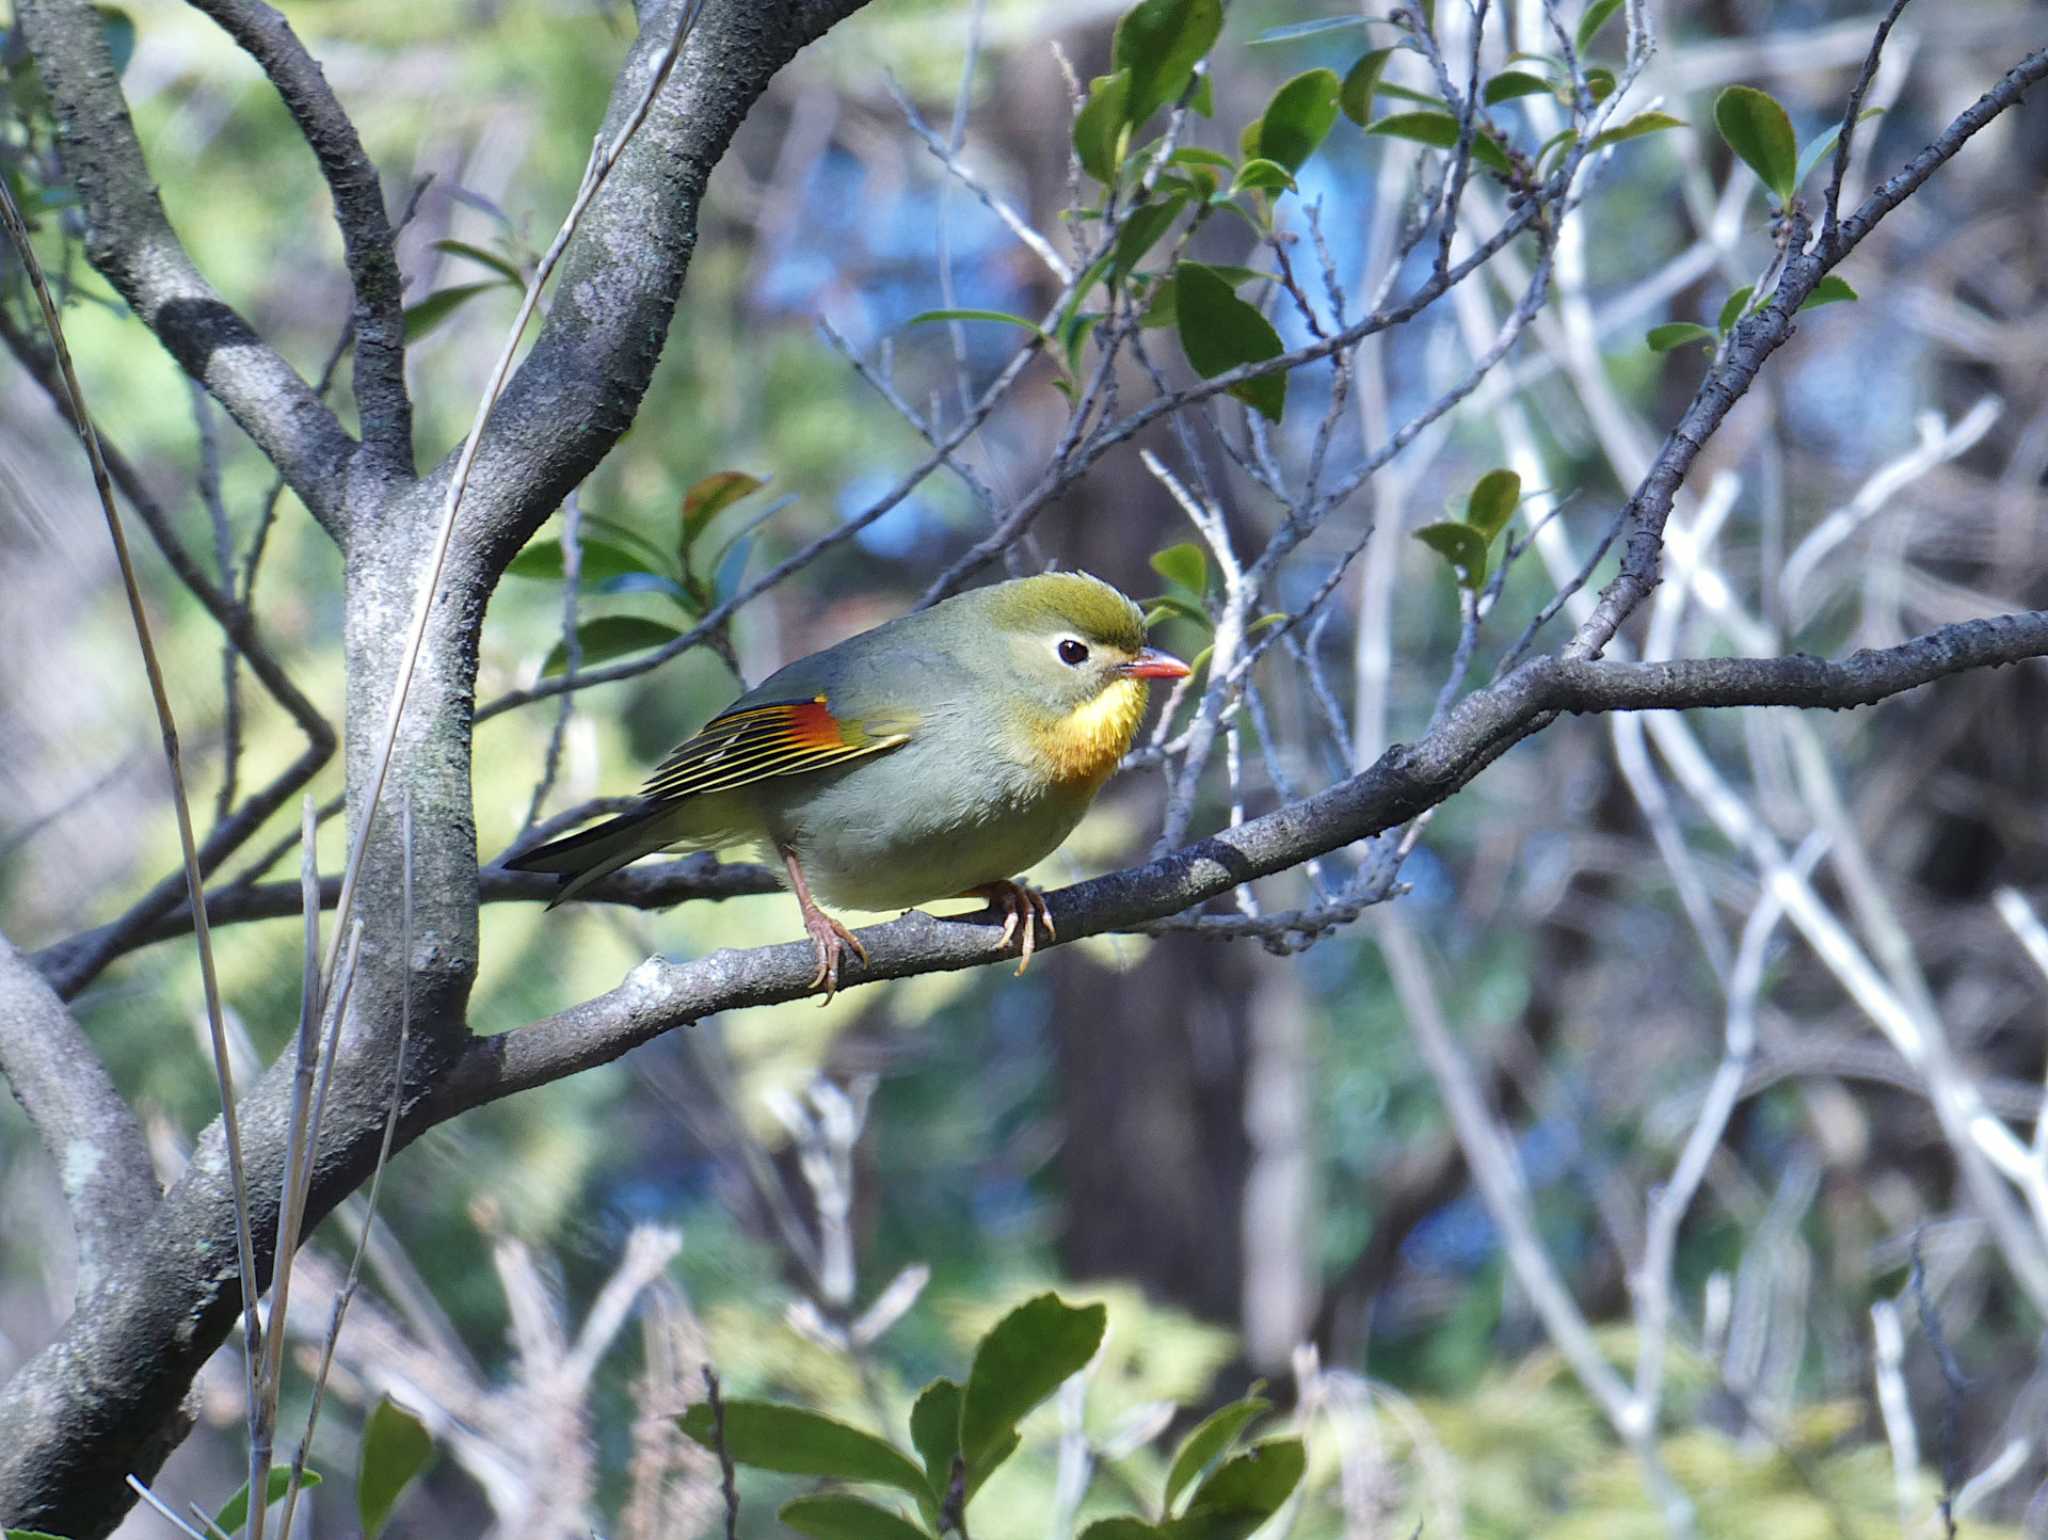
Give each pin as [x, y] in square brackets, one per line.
[1023, 907]
[832, 941]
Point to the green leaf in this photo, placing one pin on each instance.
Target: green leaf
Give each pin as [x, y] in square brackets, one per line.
[710, 497]
[1757, 129]
[1493, 501]
[437, 307]
[1361, 83]
[1219, 331]
[1510, 84]
[119, 28]
[1676, 334]
[396, 1448]
[1209, 1438]
[1642, 123]
[1025, 1357]
[1462, 546]
[1299, 118]
[1196, 155]
[1812, 155]
[608, 637]
[1122, 1529]
[599, 560]
[1732, 310]
[489, 259]
[1598, 14]
[1173, 607]
[1141, 231]
[1261, 175]
[1599, 83]
[1243, 1492]
[935, 1432]
[1833, 289]
[1185, 564]
[28, 1534]
[1100, 129]
[1441, 130]
[804, 1443]
[234, 1512]
[836, 1516]
[925, 316]
[1157, 46]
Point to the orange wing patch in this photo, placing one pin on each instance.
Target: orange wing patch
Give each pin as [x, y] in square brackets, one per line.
[761, 742]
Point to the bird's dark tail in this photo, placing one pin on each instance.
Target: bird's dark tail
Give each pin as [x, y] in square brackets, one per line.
[582, 859]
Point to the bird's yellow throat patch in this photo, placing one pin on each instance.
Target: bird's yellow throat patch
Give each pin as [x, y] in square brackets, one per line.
[1086, 743]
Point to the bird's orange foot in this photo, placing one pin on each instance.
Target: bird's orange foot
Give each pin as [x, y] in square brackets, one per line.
[1022, 907]
[832, 941]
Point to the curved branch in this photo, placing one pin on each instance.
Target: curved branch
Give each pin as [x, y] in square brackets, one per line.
[131, 242]
[659, 995]
[368, 242]
[93, 1137]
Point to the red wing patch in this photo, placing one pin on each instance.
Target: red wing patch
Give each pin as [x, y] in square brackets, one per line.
[760, 742]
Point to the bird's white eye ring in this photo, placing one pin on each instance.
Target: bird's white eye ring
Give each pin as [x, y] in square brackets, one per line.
[1073, 653]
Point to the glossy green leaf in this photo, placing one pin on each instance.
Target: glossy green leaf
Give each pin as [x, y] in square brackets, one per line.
[1157, 46]
[1676, 334]
[1642, 123]
[1462, 546]
[1299, 118]
[234, 1513]
[423, 317]
[837, 1516]
[396, 1448]
[1025, 1357]
[1141, 231]
[1599, 83]
[924, 317]
[1758, 131]
[1210, 1438]
[1441, 130]
[1509, 84]
[607, 637]
[1101, 128]
[1196, 155]
[710, 497]
[935, 1432]
[1492, 502]
[1123, 1529]
[1219, 331]
[1361, 83]
[1732, 310]
[1174, 607]
[598, 561]
[1811, 156]
[1598, 14]
[1243, 1492]
[1831, 290]
[1261, 175]
[1185, 564]
[804, 1443]
[490, 259]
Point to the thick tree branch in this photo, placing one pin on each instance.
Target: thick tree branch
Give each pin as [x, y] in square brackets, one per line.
[368, 243]
[131, 242]
[1755, 339]
[658, 995]
[93, 1137]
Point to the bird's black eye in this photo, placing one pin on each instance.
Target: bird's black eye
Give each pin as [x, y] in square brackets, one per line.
[1073, 653]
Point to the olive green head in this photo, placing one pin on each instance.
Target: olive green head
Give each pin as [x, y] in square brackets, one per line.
[1066, 637]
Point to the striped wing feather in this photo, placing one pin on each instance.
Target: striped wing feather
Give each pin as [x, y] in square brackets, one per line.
[760, 742]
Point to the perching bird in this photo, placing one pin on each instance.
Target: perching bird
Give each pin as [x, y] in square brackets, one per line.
[935, 756]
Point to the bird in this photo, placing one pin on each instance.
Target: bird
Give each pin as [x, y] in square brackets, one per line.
[936, 755]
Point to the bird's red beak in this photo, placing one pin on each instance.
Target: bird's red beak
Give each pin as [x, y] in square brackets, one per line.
[1151, 663]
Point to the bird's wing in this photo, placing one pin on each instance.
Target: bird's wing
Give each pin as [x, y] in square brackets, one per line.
[758, 742]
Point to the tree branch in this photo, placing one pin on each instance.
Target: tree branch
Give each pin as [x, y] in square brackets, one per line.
[93, 1137]
[368, 243]
[131, 242]
[658, 995]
